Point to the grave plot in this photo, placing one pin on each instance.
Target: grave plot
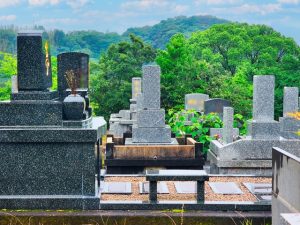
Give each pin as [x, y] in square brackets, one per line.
[186, 190]
[150, 144]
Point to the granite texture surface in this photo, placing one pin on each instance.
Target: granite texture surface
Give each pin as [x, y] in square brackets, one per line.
[290, 100]
[79, 63]
[136, 87]
[31, 113]
[195, 101]
[31, 63]
[151, 87]
[264, 130]
[227, 125]
[151, 135]
[151, 118]
[263, 97]
[34, 95]
[219, 131]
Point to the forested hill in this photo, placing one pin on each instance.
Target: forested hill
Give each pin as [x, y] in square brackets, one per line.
[95, 43]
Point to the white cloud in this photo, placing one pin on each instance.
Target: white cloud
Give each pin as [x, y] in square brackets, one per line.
[65, 21]
[295, 2]
[263, 9]
[75, 4]
[154, 6]
[217, 2]
[6, 3]
[43, 2]
[8, 18]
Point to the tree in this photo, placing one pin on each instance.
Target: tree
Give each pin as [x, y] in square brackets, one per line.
[110, 85]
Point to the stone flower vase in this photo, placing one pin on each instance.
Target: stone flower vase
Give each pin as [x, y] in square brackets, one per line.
[73, 107]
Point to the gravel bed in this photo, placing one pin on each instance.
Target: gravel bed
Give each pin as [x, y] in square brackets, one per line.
[209, 194]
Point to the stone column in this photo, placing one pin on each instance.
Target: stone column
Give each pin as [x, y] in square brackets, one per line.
[227, 125]
[32, 64]
[263, 126]
[150, 126]
[136, 90]
[290, 100]
[263, 98]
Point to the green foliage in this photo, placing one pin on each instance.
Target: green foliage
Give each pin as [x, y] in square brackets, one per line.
[95, 43]
[159, 34]
[190, 122]
[193, 123]
[222, 60]
[110, 86]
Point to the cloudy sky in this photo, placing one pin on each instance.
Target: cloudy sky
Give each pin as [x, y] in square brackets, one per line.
[118, 15]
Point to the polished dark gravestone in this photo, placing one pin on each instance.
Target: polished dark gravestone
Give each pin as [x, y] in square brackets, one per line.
[216, 105]
[225, 188]
[45, 165]
[162, 188]
[79, 64]
[34, 62]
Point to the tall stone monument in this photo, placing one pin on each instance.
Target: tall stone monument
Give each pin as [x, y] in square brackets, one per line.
[150, 126]
[263, 125]
[289, 125]
[45, 165]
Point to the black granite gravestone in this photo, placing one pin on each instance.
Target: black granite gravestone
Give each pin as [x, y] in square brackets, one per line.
[79, 64]
[216, 105]
[34, 62]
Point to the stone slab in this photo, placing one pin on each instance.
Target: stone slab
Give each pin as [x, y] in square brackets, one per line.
[174, 141]
[162, 188]
[151, 135]
[216, 105]
[225, 188]
[31, 63]
[264, 198]
[259, 188]
[290, 219]
[116, 188]
[186, 187]
[290, 100]
[264, 130]
[151, 118]
[195, 101]
[136, 87]
[34, 95]
[219, 131]
[151, 87]
[31, 113]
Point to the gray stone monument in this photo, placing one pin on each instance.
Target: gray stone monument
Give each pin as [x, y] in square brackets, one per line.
[228, 125]
[195, 101]
[289, 125]
[45, 165]
[150, 127]
[290, 100]
[263, 125]
[253, 154]
[136, 90]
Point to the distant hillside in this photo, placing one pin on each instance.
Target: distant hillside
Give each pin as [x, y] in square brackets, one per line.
[159, 34]
[94, 42]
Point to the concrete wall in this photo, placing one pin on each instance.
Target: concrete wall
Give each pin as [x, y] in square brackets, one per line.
[286, 183]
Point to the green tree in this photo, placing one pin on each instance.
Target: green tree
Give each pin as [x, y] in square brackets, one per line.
[110, 85]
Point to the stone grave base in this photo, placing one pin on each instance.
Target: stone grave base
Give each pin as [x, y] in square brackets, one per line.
[87, 123]
[50, 202]
[131, 158]
[246, 156]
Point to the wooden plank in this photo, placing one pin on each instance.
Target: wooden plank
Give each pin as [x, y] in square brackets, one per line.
[152, 152]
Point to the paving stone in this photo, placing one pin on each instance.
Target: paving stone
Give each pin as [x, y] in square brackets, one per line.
[116, 188]
[188, 187]
[225, 188]
[261, 188]
[162, 188]
[263, 198]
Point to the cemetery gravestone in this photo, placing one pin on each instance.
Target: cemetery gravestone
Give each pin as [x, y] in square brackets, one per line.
[195, 101]
[216, 105]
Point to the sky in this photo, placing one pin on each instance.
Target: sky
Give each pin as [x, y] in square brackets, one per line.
[118, 15]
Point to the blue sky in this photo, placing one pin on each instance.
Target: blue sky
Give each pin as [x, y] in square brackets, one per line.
[118, 15]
